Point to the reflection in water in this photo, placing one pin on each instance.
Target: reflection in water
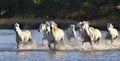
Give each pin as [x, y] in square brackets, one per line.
[88, 54]
[56, 54]
[21, 52]
[8, 41]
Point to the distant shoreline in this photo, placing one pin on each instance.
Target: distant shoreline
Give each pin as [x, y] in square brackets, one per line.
[33, 23]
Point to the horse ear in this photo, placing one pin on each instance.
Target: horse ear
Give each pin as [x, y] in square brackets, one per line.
[55, 24]
[46, 22]
[79, 24]
[72, 25]
[87, 22]
[109, 25]
[84, 22]
[16, 24]
[52, 21]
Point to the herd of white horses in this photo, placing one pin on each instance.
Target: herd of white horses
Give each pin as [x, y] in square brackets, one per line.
[55, 36]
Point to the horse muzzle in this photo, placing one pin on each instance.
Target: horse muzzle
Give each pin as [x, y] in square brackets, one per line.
[38, 30]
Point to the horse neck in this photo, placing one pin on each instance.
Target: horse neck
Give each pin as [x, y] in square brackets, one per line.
[44, 29]
[87, 31]
[72, 30]
[19, 32]
[53, 31]
[110, 28]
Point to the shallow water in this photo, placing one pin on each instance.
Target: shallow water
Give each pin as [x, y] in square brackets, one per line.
[102, 51]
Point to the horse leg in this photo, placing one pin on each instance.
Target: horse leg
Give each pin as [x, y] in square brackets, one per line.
[91, 43]
[55, 45]
[95, 41]
[62, 40]
[82, 45]
[49, 45]
[106, 41]
[42, 41]
[111, 41]
[18, 43]
[17, 46]
[30, 39]
[98, 40]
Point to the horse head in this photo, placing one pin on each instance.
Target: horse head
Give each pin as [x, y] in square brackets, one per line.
[16, 26]
[83, 25]
[53, 25]
[42, 27]
[109, 25]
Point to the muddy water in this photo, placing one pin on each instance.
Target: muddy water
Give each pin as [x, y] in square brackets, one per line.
[102, 51]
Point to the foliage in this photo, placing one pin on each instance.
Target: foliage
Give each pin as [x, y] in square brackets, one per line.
[67, 9]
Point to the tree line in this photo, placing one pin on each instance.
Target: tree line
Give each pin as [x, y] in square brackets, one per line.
[66, 9]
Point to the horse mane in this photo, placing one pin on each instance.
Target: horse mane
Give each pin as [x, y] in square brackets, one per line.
[55, 27]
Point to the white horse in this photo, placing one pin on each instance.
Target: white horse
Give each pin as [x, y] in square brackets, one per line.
[71, 33]
[112, 33]
[56, 35]
[42, 28]
[89, 33]
[22, 37]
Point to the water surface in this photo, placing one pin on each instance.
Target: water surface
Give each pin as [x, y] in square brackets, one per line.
[107, 52]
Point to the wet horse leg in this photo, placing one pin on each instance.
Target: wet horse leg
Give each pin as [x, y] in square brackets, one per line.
[91, 43]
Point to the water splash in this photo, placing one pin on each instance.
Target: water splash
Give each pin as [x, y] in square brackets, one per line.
[29, 45]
